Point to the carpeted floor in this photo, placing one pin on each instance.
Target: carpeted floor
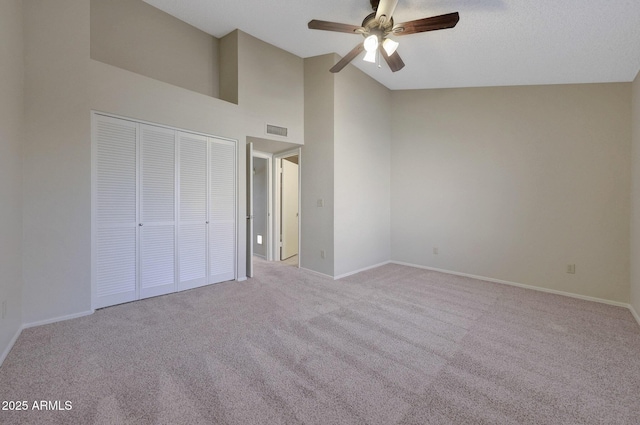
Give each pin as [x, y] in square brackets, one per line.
[393, 345]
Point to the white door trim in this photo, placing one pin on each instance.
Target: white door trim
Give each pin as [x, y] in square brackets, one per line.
[250, 217]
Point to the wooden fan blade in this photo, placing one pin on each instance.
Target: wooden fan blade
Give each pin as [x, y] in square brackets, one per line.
[333, 26]
[427, 24]
[394, 61]
[347, 58]
[386, 8]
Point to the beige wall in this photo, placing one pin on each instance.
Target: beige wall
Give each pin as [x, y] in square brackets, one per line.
[514, 183]
[57, 168]
[228, 56]
[635, 198]
[362, 171]
[271, 86]
[317, 167]
[121, 92]
[11, 140]
[133, 35]
[345, 162]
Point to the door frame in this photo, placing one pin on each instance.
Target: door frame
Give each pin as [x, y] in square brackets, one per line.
[249, 175]
[277, 168]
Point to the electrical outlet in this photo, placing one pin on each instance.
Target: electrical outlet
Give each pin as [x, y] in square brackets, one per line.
[4, 309]
[571, 268]
[435, 250]
[322, 253]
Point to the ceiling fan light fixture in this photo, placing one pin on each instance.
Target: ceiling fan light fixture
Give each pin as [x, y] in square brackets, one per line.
[390, 46]
[370, 56]
[371, 43]
[376, 27]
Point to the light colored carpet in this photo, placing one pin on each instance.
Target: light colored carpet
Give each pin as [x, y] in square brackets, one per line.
[393, 345]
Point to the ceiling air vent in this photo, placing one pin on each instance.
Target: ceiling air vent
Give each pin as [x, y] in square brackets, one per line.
[277, 131]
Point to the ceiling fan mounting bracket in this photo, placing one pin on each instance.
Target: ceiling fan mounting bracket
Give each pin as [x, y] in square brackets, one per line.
[372, 26]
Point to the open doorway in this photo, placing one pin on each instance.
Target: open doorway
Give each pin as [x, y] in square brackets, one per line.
[261, 205]
[265, 159]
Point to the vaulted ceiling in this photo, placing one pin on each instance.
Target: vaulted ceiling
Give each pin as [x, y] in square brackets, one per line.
[496, 42]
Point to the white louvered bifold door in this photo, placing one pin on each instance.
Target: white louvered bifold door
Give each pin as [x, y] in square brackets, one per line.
[163, 210]
[192, 233]
[115, 213]
[157, 211]
[222, 210]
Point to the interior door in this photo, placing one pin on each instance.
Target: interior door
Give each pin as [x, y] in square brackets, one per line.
[289, 211]
[249, 209]
[157, 211]
[192, 253]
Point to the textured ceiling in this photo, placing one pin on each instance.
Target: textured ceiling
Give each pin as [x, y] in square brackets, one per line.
[496, 42]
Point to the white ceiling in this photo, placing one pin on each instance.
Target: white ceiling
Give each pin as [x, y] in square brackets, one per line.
[496, 42]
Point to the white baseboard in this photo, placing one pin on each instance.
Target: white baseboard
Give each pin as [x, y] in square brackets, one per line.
[520, 285]
[317, 273]
[361, 270]
[5, 353]
[345, 274]
[635, 313]
[57, 319]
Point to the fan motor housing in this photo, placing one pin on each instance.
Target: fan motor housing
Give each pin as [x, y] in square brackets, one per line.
[372, 25]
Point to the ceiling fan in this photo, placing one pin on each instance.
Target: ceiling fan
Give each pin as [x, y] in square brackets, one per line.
[377, 28]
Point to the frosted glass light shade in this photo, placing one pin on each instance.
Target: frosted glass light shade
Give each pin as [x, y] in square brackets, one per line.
[370, 56]
[371, 43]
[389, 46]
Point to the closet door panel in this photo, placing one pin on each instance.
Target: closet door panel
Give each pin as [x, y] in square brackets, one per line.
[222, 252]
[157, 211]
[193, 256]
[193, 211]
[115, 211]
[157, 259]
[222, 210]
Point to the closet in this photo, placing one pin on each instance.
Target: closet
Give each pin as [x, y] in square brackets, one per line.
[163, 210]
